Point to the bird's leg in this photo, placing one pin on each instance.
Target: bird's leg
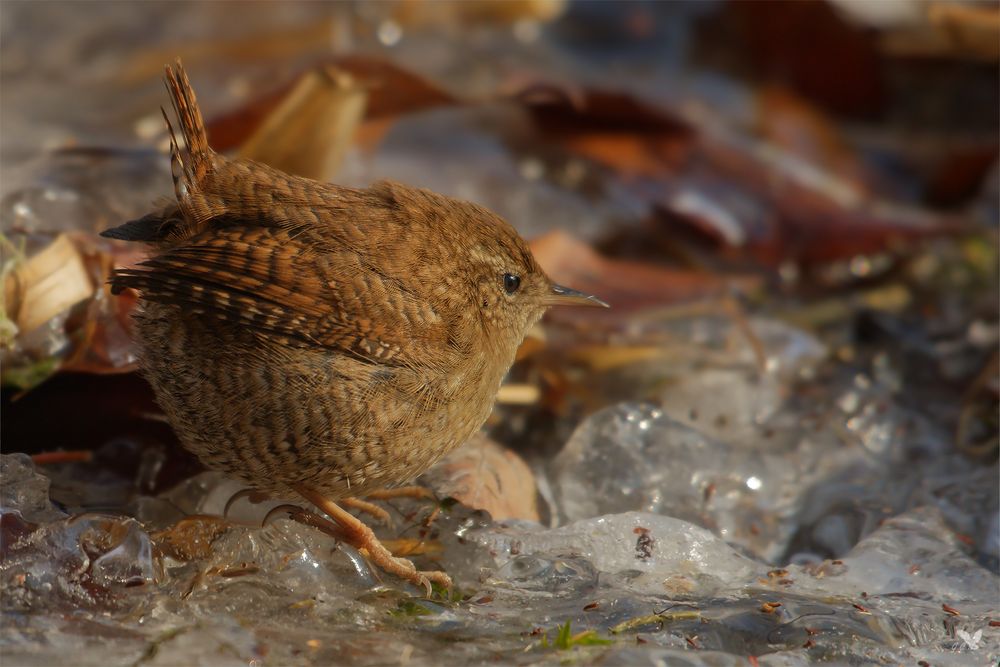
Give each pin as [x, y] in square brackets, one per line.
[361, 537]
[368, 508]
[415, 492]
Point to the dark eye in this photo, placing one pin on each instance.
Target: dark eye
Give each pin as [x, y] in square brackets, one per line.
[511, 282]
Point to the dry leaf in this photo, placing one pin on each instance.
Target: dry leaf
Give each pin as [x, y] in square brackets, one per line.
[46, 285]
[626, 285]
[391, 91]
[609, 127]
[313, 126]
[483, 475]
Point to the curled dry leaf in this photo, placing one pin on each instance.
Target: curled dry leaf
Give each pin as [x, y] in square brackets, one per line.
[486, 476]
[45, 285]
[312, 127]
[390, 91]
[785, 210]
[58, 314]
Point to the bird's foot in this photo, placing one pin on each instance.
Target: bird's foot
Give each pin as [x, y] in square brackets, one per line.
[353, 531]
[368, 508]
[415, 492]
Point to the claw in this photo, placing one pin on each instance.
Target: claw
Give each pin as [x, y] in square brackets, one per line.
[291, 510]
[253, 495]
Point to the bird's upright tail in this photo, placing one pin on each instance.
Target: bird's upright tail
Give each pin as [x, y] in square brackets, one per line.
[192, 163]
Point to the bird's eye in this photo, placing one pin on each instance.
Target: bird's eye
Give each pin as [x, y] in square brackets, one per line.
[511, 282]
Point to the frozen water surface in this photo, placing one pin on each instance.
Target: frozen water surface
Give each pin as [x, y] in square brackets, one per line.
[109, 589]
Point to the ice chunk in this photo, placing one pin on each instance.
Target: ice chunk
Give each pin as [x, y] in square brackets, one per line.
[634, 457]
[647, 551]
[86, 561]
[914, 554]
[24, 490]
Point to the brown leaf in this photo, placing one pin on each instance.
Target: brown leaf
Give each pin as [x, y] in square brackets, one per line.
[190, 538]
[46, 285]
[483, 475]
[627, 286]
[609, 127]
[391, 91]
[790, 122]
[311, 129]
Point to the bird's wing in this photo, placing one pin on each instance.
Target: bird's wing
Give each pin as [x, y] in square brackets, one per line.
[276, 285]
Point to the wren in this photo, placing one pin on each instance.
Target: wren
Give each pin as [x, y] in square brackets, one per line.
[331, 341]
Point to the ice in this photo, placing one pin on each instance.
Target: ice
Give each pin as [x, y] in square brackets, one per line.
[207, 644]
[933, 567]
[645, 552]
[635, 457]
[210, 590]
[837, 525]
[799, 481]
[25, 491]
[80, 189]
[89, 560]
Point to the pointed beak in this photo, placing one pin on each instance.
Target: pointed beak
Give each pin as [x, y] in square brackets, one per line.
[564, 296]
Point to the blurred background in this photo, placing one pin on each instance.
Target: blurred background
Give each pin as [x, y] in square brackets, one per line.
[716, 147]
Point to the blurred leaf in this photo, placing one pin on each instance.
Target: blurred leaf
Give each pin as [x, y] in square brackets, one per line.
[792, 124]
[309, 132]
[628, 286]
[391, 91]
[609, 127]
[484, 475]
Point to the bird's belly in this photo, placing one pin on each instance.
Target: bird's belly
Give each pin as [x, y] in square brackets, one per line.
[274, 417]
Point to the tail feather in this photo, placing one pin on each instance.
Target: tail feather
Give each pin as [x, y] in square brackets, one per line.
[192, 164]
[186, 107]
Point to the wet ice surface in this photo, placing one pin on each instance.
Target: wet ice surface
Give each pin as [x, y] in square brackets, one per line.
[785, 539]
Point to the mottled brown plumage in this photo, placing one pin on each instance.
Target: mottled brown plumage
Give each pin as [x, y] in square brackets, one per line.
[328, 340]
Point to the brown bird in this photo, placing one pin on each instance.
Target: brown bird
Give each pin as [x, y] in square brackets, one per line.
[321, 339]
